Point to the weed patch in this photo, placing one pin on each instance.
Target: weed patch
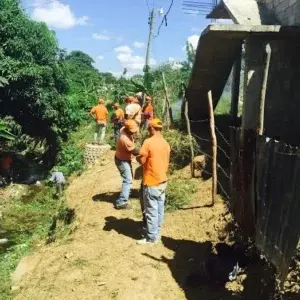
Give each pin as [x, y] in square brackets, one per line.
[179, 193]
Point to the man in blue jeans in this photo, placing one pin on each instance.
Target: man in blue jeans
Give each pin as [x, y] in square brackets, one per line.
[125, 148]
[154, 156]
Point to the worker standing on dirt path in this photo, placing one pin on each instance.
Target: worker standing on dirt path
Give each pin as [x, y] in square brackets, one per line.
[6, 168]
[118, 120]
[147, 112]
[100, 114]
[154, 156]
[124, 150]
[58, 178]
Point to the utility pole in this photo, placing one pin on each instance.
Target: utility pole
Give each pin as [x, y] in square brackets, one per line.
[150, 38]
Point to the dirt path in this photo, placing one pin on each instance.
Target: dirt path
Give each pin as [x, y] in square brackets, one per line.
[103, 260]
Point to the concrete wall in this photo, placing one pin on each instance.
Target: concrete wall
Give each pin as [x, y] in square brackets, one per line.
[282, 110]
[287, 11]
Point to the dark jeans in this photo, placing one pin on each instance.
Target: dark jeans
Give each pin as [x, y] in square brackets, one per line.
[117, 128]
[7, 175]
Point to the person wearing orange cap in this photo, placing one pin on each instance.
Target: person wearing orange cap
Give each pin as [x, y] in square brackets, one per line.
[100, 114]
[147, 112]
[124, 150]
[154, 155]
[118, 120]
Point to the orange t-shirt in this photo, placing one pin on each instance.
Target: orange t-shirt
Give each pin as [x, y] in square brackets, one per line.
[101, 113]
[155, 157]
[148, 112]
[6, 162]
[124, 146]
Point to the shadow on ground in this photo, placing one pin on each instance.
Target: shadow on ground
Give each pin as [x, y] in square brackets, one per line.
[202, 273]
[127, 227]
[112, 197]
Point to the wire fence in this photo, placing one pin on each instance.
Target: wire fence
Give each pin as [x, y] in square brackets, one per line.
[224, 152]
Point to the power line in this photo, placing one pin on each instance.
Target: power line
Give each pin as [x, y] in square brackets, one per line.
[147, 3]
[165, 18]
[39, 5]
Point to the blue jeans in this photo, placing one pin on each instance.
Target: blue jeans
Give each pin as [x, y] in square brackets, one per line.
[154, 203]
[125, 170]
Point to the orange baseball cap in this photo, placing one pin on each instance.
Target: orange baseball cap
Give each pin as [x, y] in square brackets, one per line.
[155, 123]
[131, 126]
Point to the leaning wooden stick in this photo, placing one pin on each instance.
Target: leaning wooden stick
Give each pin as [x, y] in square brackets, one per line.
[260, 125]
[188, 127]
[214, 148]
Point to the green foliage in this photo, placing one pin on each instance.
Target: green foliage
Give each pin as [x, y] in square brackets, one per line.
[179, 193]
[224, 106]
[27, 223]
[5, 133]
[180, 148]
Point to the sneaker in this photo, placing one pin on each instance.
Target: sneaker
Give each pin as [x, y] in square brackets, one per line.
[124, 206]
[145, 242]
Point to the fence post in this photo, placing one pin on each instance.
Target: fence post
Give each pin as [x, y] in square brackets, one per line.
[214, 147]
[188, 127]
[169, 108]
[260, 123]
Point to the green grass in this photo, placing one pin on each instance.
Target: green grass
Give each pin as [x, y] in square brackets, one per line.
[28, 222]
[179, 193]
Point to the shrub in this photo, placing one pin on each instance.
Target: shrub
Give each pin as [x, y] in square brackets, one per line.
[180, 148]
[179, 193]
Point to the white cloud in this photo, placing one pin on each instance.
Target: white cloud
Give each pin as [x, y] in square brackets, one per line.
[123, 49]
[130, 61]
[139, 45]
[57, 15]
[193, 40]
[101, 37]
[100, 57]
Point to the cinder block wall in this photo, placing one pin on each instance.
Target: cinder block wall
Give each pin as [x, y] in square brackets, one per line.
[282, 111]
[286, 11]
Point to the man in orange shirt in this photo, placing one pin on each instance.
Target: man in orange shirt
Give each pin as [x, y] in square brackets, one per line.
[154, 156]
[100, 114]
[124, 150]
[147, 112]
[118, 120]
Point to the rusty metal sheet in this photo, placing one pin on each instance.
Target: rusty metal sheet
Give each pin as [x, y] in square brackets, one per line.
[277, 202]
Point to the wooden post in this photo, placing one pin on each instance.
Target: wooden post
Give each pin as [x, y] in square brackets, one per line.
[214, 148]
[260, 123]
[169, 108]
[188, 127]
[235, 91]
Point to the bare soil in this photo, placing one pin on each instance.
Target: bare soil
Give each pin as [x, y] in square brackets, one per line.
[101, 260]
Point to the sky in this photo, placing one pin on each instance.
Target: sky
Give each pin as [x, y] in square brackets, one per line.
[115, 32]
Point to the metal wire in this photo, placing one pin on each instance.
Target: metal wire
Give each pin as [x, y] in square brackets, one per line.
[199, 7]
